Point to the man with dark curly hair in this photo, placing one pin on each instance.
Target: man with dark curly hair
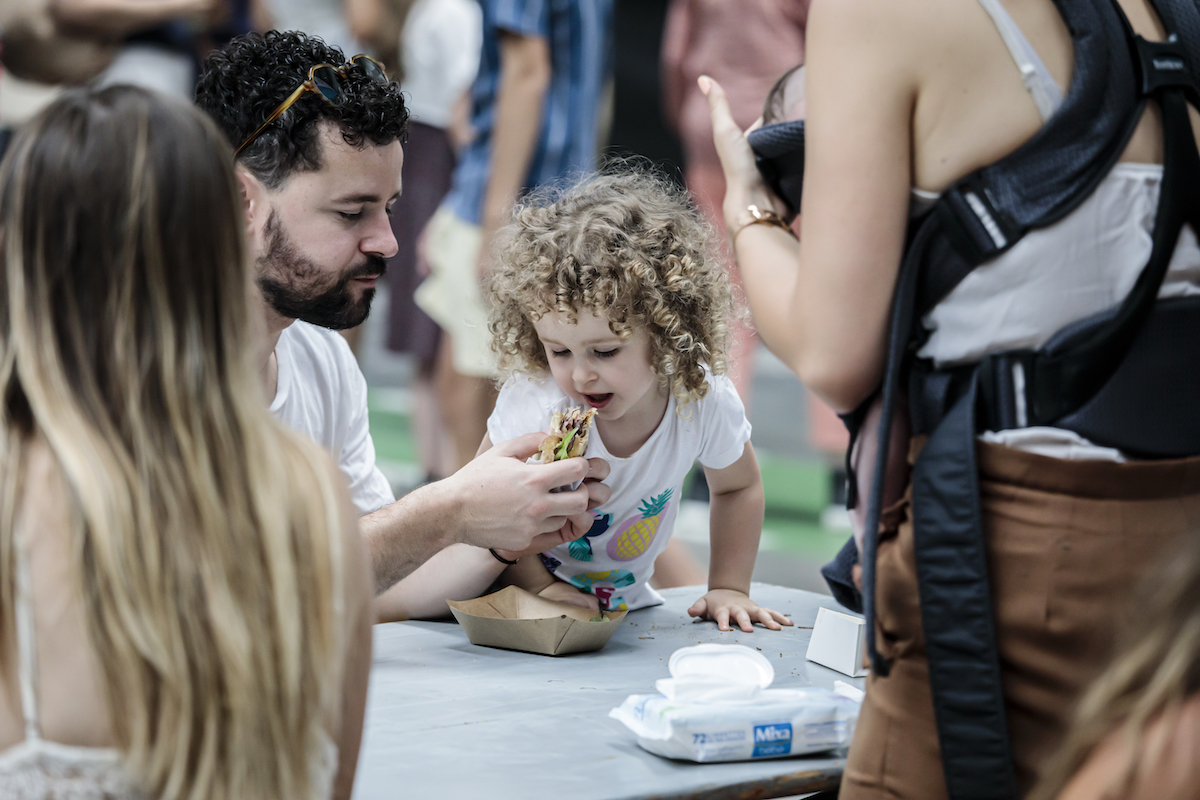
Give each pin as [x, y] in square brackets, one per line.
[319, 142]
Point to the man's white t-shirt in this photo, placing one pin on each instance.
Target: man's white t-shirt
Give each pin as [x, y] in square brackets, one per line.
[615, 559]
[322, 393]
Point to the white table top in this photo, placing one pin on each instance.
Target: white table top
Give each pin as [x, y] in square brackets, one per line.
[448, 720]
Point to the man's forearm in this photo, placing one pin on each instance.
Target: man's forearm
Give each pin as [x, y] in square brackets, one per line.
[497, 500]
[404, 535]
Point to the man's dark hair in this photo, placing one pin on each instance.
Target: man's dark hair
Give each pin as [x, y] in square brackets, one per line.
[243, 82]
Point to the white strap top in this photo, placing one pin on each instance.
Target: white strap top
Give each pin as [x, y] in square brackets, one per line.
[1034, 74]
[1081, 265]
[37, 769]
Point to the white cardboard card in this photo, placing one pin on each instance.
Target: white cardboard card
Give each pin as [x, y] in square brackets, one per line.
[838, 642]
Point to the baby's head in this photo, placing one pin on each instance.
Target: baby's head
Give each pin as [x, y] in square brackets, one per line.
[786, 100]
[629, 248]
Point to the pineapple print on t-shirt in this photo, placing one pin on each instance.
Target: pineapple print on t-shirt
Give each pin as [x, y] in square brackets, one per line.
[610, 558]
[636, 534]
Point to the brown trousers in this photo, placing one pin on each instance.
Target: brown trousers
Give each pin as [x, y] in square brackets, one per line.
[1066, 542]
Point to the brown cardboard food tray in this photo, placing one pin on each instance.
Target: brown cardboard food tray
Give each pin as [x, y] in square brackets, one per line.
[514, 619]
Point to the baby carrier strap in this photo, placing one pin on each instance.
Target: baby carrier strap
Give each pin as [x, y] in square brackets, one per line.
[1043, 180]
[981, 217]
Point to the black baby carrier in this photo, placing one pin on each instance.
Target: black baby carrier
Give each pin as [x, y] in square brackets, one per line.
[1127, 378]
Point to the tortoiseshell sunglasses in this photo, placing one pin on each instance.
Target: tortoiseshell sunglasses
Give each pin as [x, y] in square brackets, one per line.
[324, 80]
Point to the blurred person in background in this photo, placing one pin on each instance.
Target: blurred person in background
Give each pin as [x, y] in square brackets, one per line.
[183, 573]
[159, 40]
[639, 128]
[329, 20]
[20, 101]
[534, 118]
[903, 102]
[437, 47]
[319, 163]
[40, 46]
[745, 46]
[38, 56]
[48, 44]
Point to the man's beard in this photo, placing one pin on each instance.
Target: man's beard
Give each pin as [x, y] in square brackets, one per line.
[288, 282]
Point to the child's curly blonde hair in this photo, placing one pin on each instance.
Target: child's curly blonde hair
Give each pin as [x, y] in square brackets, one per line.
[628, 245]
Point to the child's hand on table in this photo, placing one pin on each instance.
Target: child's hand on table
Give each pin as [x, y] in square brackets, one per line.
[563, 592]
[723, 605]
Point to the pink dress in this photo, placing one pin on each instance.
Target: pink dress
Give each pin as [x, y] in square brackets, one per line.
[745, 46]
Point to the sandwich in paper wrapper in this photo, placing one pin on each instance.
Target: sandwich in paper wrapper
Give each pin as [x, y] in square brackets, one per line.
[716, 707]
[568, 435]
[568, 438]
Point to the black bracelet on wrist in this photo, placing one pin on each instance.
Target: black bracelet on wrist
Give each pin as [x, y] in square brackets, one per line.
[499, 557]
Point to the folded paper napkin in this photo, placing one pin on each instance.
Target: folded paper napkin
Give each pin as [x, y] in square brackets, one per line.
[717, 706]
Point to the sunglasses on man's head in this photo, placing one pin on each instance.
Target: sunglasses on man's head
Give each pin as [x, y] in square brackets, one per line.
[323, 80]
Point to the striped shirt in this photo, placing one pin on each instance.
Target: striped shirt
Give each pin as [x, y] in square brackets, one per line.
[578, 32]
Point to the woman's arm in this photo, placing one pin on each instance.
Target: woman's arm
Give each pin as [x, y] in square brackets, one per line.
[822, 305]
[736, 505]
[116, 18]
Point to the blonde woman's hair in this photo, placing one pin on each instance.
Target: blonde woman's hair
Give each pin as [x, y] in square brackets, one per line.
[1157, 668]
[628, 245]
[205, 535]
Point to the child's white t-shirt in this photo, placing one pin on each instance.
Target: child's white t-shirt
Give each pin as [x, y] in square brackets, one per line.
[615, 560]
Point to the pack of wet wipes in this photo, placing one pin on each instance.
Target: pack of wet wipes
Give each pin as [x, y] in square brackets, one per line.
[717, 706]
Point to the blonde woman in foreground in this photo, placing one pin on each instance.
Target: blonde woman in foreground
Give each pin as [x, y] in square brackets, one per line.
[1136, 733]
[184, 599]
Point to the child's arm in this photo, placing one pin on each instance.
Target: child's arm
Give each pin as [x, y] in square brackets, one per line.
[460, 572]
[736, 506]
[531, 574]
[528, 573]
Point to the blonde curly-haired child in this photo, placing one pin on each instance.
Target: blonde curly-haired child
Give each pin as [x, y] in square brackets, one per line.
[606, 296]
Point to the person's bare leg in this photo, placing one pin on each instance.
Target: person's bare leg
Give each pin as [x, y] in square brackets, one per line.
[466, 401]
[676, 566]
[429, 428]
